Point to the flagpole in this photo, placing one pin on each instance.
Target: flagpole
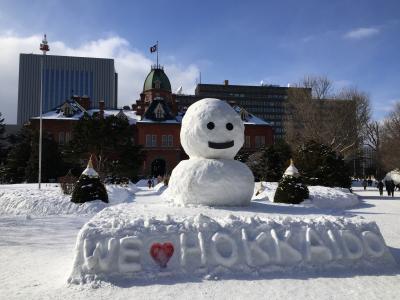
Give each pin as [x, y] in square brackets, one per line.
[44, 47]
[157, 54]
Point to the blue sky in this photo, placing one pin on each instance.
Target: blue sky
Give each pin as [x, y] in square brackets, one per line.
[354, 43]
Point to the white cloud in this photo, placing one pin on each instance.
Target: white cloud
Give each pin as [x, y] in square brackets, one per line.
[361, 33]
[131, 64]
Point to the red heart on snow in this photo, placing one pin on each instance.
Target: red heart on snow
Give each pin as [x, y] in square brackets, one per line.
[161, 253]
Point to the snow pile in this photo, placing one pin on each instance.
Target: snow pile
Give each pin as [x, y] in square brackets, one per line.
[393, 175]
[264, 191]
[26, 199]
[320, 196]
[142, 183]
[332, 198]
[123, 244]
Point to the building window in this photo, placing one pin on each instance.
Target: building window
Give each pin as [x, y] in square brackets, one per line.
[164, 141]
[159, 112]
[260, 141]
[151, 140]
[167, 141]
[170, 141]
[148, 140]
[67, 137]
[247, 143]
[61, 138]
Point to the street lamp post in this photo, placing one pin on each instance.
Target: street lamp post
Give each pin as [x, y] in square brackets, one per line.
[44, 47]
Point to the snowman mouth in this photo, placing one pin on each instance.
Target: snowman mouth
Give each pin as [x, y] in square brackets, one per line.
[220, 145]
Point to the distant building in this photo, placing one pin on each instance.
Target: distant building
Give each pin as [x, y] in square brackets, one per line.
[63, 76]
[265, 101]
[155, 120]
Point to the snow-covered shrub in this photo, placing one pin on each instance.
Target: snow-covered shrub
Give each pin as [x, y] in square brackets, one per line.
[291, 190]
[89, 189]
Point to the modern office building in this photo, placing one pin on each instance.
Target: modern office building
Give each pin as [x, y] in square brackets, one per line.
[265, 101]
[63, 76]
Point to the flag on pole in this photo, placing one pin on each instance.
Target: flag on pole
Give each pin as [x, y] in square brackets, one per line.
[153, 48]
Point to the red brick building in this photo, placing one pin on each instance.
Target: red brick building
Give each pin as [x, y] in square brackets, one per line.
[155, 120]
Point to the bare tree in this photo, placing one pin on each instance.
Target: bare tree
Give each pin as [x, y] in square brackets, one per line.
[391, 139]
[337, 121]
[373, 139]
[321, 86]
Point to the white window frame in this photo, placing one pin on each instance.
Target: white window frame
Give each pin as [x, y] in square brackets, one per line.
[148, 140]
[170, 140]
[164, 140]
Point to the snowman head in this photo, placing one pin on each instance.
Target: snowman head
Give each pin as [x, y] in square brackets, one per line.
[212, 129]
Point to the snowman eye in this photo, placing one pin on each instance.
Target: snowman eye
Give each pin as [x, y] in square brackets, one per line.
[229, 126]
[210, 125]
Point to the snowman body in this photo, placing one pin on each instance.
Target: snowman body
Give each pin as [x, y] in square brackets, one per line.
[211, 134]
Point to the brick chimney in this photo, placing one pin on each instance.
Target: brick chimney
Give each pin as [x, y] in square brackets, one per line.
[226, 82]
[101, 108]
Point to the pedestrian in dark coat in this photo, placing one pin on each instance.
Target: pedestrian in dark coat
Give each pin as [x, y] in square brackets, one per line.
[387, 185]
[364, 184]
[380, 187]
[392, 186]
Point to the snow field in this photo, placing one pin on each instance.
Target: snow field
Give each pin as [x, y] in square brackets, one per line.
[36, 256]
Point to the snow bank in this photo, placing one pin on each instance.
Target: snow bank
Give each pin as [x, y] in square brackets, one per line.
[332, 198]
[124, 244]
[320, 196]
[265, 191]
[26, 199]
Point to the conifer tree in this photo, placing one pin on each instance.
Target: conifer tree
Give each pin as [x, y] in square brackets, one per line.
[52, 163]
[270, 163]
[320, 165]
[291, 188]
[110, 141]
[89, 187]
[13, 170]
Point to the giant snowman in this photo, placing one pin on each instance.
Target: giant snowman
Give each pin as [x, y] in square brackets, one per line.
[212, 134]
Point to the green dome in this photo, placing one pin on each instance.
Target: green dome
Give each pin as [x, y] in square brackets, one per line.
[157, 80]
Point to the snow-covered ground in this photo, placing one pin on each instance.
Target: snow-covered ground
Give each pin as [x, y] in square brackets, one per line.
[26, 199]
[36, 254]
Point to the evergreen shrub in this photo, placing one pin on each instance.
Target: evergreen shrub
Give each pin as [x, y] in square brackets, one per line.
[291, 190]
[89, 189]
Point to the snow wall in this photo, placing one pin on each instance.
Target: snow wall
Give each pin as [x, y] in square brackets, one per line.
[115, 249]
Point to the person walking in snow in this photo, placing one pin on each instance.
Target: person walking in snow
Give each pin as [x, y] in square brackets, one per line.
[152, 182]
[149, 183]
[392, 185]
[380, 187]
[364, 184]
[389, 187]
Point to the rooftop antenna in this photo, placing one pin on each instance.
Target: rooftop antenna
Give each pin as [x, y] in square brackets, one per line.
[44, 47]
